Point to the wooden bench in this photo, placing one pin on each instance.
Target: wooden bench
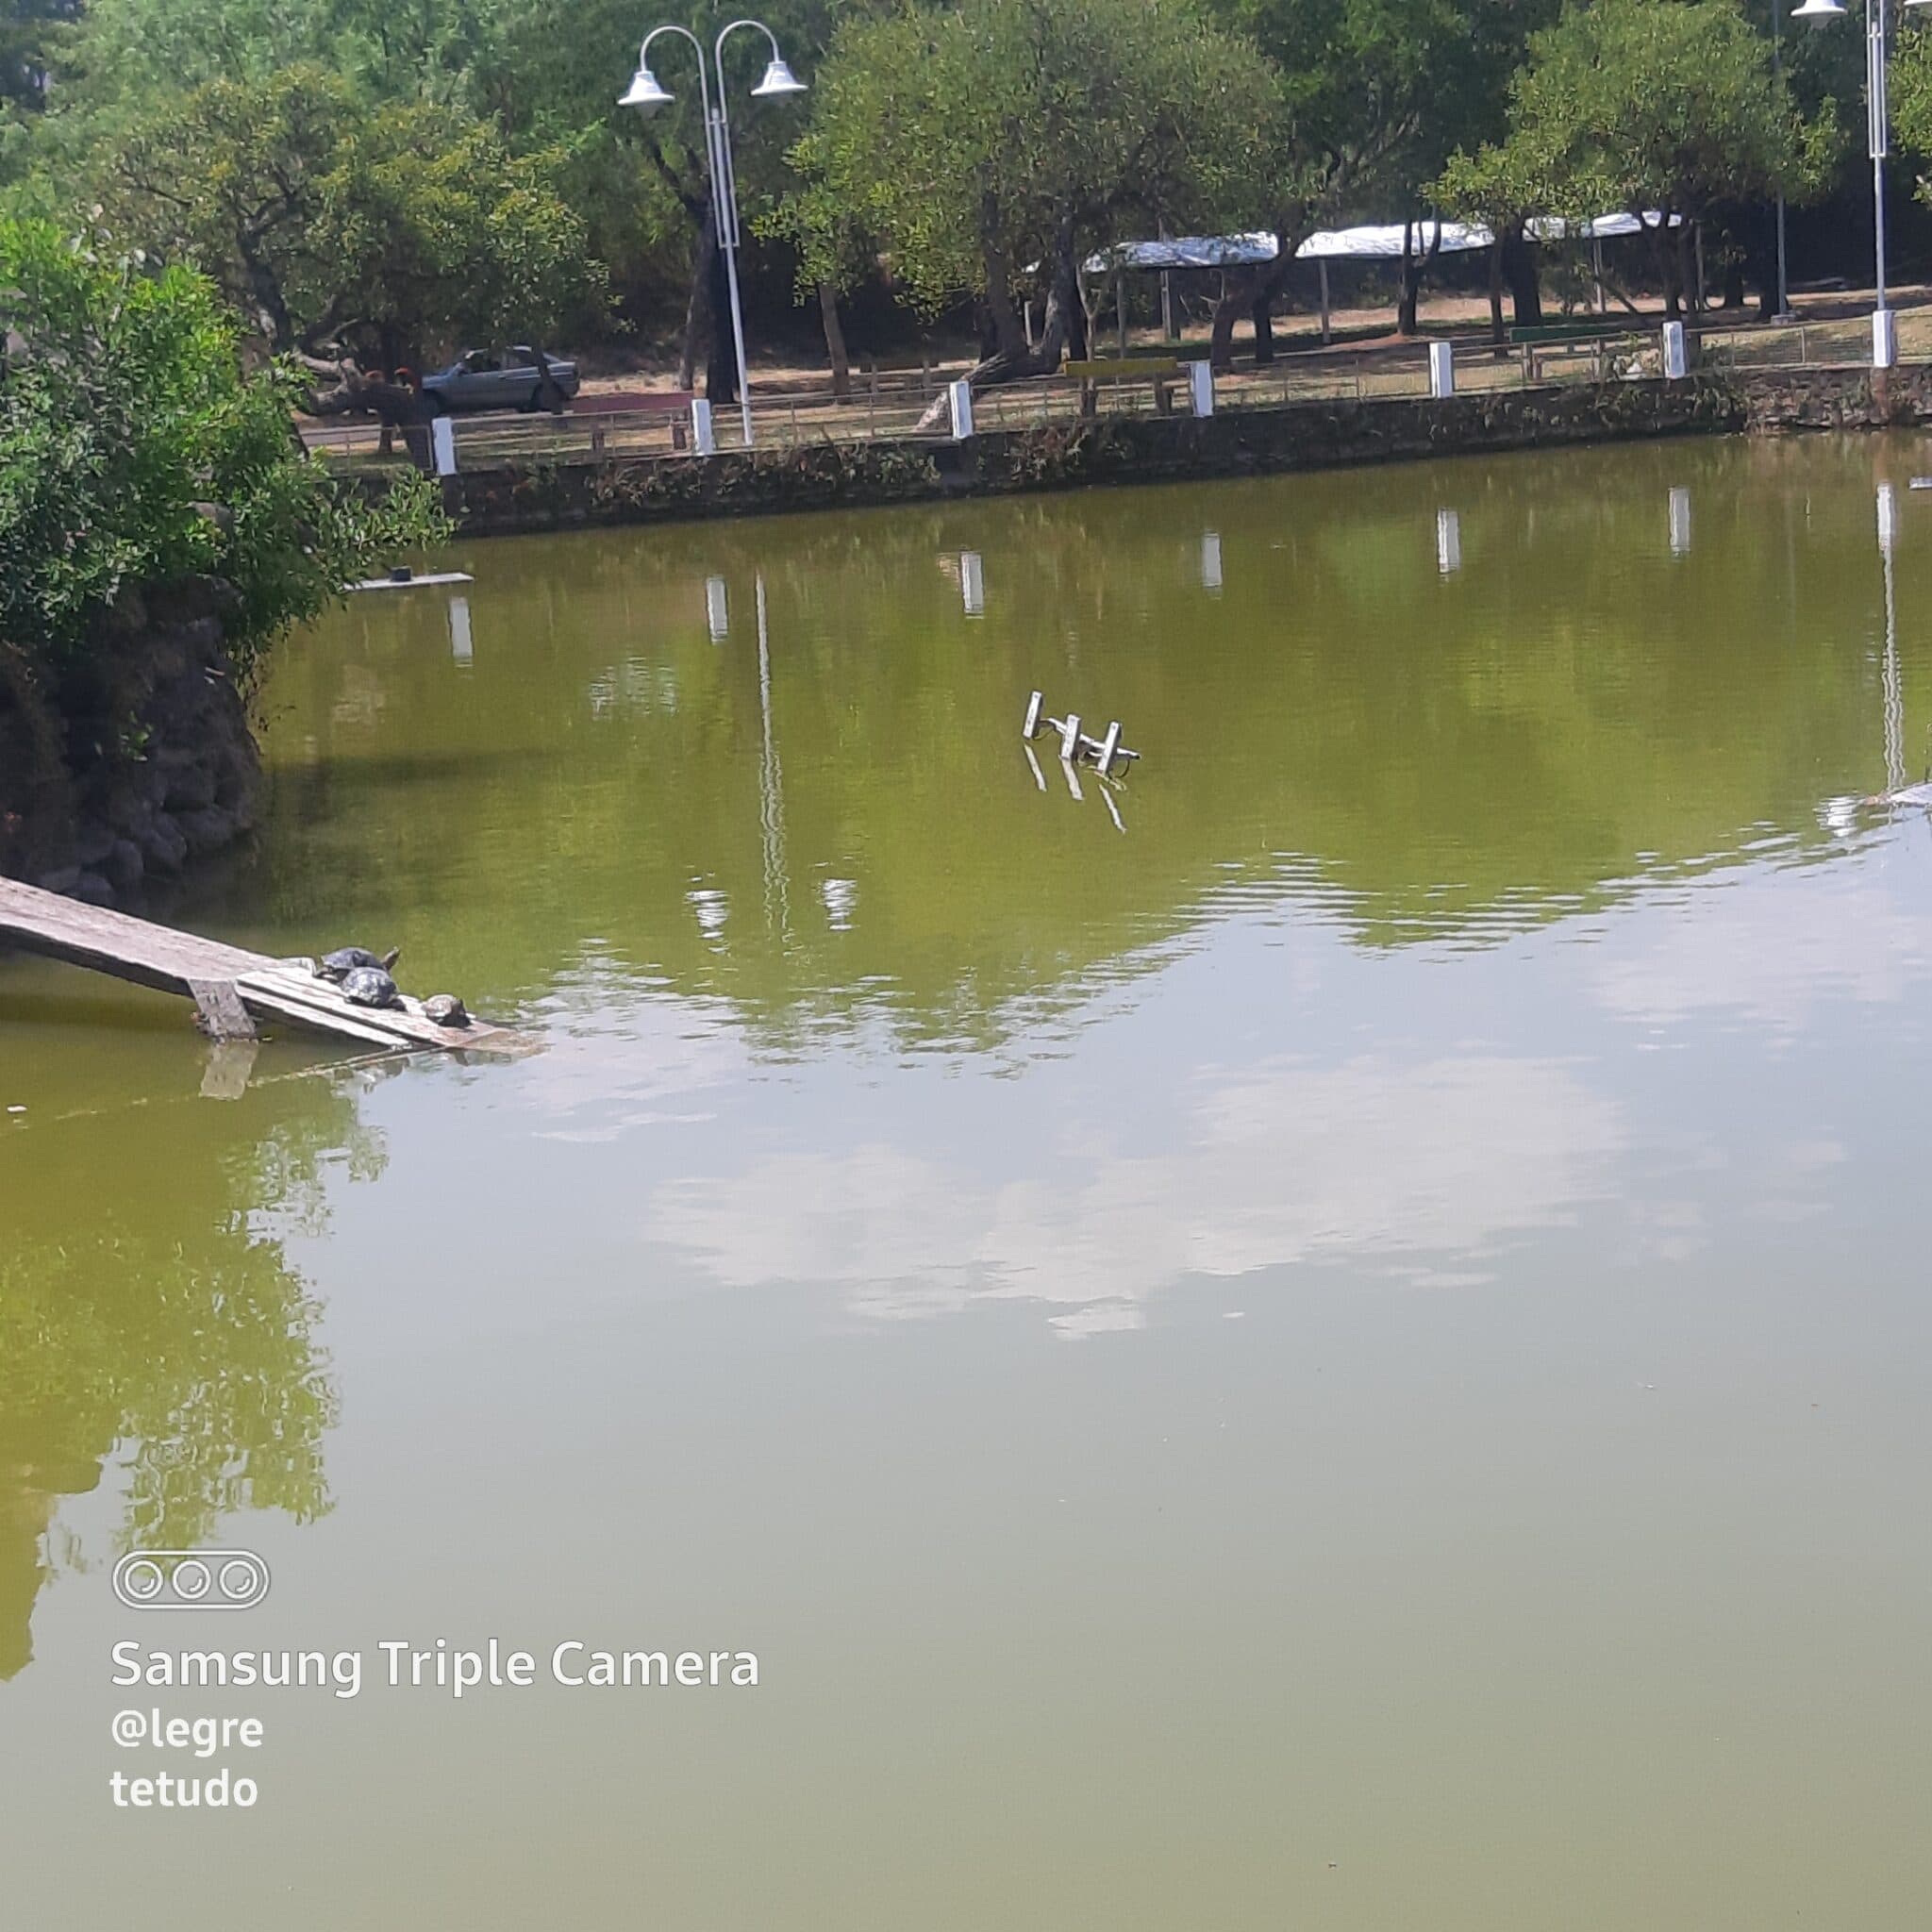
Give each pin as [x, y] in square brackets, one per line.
[1538, 339]
[1163, 372]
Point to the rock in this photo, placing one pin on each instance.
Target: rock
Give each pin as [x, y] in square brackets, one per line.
[209, 829]
[190, 789]
[93, 841]
[164, 846]
[123, 867]
[61, 880]
[445, 1009]
[91, 888]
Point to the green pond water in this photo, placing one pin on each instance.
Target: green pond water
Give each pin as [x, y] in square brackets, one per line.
[1334, 1334]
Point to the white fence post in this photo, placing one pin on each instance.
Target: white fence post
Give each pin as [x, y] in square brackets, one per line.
[1676, 361]
[1884, 339]
[1200, 388]
[1442, 370]
[443, 445]
[704, 439]
[961, 394]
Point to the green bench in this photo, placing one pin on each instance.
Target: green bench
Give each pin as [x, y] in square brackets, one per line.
[1575, 331]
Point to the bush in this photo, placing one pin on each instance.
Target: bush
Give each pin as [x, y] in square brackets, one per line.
[135, 451]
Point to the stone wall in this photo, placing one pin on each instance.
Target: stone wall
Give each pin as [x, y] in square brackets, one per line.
[1133, 449]
[1116, 449]
[140, 760]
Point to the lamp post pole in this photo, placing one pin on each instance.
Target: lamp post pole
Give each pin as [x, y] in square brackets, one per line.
[1777, 68]
[1878, 140]
[647, 95]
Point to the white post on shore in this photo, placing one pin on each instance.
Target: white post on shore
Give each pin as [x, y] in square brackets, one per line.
[1201, 387]
[703, 437]
[1677, 360]
[1442, 370]
[1884, 338]
[443, 445]
[961, 394]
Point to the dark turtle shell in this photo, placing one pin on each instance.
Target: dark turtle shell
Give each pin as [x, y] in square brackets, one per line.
[347, 959]
[369, 986]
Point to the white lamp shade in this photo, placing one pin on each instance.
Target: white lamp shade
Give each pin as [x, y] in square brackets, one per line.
[1817, 12]
[645, 93]
[779, 80]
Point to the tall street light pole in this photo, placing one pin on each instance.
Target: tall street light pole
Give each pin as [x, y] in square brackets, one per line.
[1777, 68]
[647, 95]
[1878, 131]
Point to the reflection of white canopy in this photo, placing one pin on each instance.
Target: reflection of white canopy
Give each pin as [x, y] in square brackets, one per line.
[1374, 242]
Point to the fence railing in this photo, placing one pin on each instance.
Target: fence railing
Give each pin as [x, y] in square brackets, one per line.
[907, 405]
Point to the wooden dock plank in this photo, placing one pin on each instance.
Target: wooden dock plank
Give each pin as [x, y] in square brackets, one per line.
[154, 956]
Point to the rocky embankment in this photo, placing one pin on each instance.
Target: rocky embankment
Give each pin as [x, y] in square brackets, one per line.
[121, 770]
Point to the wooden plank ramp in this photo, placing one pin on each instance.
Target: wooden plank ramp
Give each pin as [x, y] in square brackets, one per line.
[222, 981]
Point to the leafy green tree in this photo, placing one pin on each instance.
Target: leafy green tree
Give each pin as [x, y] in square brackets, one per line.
[1377, 94]
[323, 220]
[134, 451]
[976, 140]
[1665, 109]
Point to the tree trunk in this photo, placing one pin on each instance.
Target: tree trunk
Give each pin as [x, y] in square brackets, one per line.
[835, 341]
[697, 307]
[1247, 290]
[1414, 267]
[1734, 282]
[1519, 264]
[1668, 264]
[1009, 332]
[1264, 328]
[721, 367]
[1496, 293]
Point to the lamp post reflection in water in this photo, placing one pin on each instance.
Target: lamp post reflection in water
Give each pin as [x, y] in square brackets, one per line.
[1889, 680]
[771, 795]
[717, 610]
[972, 583]
[1448, 542]
[1210, 559]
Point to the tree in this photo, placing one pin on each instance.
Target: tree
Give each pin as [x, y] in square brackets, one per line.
[134, 451]
[392, 227]
[1664, 108]
[978, 141]
[1377, 94]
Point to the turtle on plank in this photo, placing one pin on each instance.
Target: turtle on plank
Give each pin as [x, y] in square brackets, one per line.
[446, 1010]
[347, 959]
[369, 986]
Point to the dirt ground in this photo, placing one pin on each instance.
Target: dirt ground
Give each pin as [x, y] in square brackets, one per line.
[1357, 332]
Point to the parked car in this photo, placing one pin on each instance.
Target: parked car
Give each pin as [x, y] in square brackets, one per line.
[516, 378]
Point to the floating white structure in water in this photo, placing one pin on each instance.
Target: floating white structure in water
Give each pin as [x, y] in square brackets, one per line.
[1075, 743]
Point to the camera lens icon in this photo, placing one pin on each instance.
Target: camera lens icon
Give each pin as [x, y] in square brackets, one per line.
[190, 1579]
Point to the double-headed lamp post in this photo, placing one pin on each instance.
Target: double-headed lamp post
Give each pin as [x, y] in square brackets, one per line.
[648, 94]
[1878, 126]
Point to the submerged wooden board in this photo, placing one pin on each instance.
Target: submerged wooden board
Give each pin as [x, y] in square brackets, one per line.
[171, 961]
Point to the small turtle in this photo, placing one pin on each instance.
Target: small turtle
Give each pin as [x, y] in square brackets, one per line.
[446, 1010]
[369, 986]
[339, 965]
